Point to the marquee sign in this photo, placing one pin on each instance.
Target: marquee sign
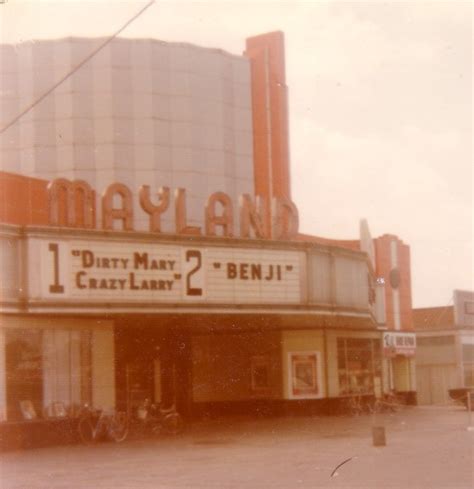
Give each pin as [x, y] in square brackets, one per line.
[73, 204]
[111, 271]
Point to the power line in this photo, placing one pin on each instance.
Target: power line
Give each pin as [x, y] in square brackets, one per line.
[82, 63]
[445, 310]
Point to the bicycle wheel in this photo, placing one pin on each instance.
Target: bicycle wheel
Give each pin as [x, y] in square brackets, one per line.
[86, 430]
[173, 424]
[118, 427]
[355, 406]
[155, 427]
[374, 407]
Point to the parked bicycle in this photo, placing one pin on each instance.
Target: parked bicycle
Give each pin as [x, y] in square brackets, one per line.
[388, 403]
[96, 424]
[358, 404]
[153, 419]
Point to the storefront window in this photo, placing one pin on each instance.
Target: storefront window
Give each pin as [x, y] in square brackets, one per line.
[24, 371]
[66, 367]
[47, 367]
[359, 363]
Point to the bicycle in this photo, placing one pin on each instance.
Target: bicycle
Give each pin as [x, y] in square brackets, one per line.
[388, 403]
[95, 425]
[355, 406]
[154, 419]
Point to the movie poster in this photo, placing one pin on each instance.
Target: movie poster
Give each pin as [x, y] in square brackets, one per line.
[305, 375]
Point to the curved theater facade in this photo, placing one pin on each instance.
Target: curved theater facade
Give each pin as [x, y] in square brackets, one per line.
[128, 275]
[141, 111]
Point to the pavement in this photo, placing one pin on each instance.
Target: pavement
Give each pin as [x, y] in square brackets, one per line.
[427, 447]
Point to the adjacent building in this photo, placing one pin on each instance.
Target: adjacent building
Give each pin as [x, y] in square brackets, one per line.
[445, 348]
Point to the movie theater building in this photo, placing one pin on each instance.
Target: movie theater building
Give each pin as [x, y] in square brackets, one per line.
[150, 246]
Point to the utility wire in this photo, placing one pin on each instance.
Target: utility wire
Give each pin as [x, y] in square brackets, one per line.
[82, 63]
[445, 310]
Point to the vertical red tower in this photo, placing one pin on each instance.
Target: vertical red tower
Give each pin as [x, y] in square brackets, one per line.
[393, 265]
[270, 116]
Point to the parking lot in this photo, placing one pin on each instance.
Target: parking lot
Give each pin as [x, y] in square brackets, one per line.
[426, 448]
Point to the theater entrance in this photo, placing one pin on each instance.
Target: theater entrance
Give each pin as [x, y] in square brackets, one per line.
[152, 363]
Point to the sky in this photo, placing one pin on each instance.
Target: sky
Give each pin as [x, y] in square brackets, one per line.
[380, 109]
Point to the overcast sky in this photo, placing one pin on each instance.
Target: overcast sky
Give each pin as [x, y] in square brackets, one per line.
[380, 109]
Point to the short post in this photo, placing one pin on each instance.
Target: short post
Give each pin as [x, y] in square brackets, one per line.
[469, 395]
[378, 436]
[378, 429]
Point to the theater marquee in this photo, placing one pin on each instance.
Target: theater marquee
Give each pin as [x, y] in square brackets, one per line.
[109, 271]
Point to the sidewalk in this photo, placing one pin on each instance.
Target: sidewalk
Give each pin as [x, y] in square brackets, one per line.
[426, 448]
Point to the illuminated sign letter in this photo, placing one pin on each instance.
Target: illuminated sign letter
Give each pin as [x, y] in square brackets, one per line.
[154, 211]
[252, 216]
[225, 220]
[124, 213]
[180, 210]
[285, 219]
[71, 195]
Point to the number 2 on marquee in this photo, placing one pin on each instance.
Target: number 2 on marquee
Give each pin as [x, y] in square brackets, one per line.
[194, 275]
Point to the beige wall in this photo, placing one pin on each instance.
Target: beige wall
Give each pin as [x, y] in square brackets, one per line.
[301, 341]
[387, 377]
[401, 374]
[434, 382]
[438, 366]
[458, 360]
[412, 379]
[10, 267]
[437, 354]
